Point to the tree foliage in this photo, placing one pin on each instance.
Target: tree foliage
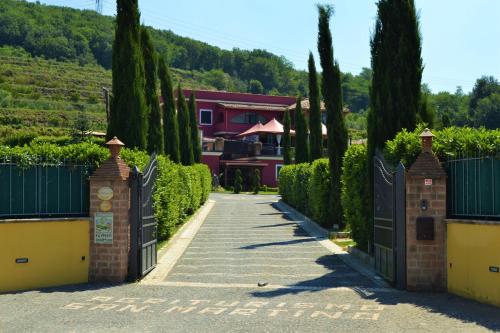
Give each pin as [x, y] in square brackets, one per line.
[397, 72]
[170, 125]
[301, 139]
[287, 140]
[128, 116]
[238, 181]
[155, 130]
[183, 119]
[332, 95]
[316, 136]
[195, 134]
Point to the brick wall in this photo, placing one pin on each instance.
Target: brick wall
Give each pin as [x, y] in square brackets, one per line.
[426, 259]
[109, 262]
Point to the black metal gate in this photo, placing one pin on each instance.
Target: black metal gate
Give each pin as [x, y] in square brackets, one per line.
[389, 221]
[143, 225]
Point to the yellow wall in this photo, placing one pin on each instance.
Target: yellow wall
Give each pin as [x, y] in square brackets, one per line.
[54, 250]
[472, 249]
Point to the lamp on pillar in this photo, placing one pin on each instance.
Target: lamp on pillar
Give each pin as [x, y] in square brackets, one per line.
[114, 146]
[426, 136]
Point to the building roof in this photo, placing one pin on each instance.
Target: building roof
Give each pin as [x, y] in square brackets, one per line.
[253, 106]
[306, 106]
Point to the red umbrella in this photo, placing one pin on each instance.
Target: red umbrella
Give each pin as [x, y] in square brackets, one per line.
[255, 129]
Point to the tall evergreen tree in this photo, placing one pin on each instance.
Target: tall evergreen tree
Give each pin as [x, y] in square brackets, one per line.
[287, 140]
[170, 125]
[332, 95]
[316, 136]
[186, 148]
[128, 114]
[395, 92]
[301, 141]
[195, 133]
[155, 131]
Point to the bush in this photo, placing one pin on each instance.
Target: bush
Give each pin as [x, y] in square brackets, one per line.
[256, 181]
[238, 181]
[319, 196]
[449, 142]
[180, 190]
[355, 194]
[294, 185]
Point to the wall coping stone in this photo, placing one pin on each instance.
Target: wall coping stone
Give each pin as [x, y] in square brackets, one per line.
[465, 221]
[47, 220]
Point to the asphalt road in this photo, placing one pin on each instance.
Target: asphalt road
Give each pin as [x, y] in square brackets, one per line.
[214, 287]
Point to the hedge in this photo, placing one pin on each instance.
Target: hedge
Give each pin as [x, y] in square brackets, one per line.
[305, 187]
[180, 190]
[449, 142]
[355, 194]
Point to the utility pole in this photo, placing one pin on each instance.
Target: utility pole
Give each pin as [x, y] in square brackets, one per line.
[98, 6]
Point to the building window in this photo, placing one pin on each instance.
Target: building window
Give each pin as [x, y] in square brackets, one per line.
[248, 118]
[278, 169]
[205, 117]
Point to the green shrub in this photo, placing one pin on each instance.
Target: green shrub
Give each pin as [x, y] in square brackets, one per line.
[449, 143]
[294, 185]
[355, 194]
[238, 181]
[256, 181]
[180, 190]
[319, 196]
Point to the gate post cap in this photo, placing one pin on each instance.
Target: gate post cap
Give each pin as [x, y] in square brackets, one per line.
[425, 134]
[426, 137]
[115, 146]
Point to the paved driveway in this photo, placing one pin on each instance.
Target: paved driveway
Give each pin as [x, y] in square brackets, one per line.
[244, 242]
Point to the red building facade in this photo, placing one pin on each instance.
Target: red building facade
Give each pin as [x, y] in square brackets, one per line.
[224, 115]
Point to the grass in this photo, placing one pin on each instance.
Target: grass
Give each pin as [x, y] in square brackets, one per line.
[344, 242]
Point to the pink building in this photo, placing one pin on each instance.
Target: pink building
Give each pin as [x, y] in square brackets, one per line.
[222, 116]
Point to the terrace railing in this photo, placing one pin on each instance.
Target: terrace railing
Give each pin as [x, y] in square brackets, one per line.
[473, 187]
[43, 190]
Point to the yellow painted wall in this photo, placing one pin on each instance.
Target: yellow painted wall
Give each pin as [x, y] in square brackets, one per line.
[54, 250]
[472, 249]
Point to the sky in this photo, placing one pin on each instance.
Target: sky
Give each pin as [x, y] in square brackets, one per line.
[460, 39]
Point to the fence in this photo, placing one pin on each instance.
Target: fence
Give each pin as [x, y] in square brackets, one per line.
[43, 190]
[474, 187]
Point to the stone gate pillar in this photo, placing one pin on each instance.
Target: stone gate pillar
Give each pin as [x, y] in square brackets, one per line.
[109, 210]
[425, 225]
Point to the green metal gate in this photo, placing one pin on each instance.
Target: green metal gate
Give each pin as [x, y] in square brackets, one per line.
[43, 190]
[474, 187]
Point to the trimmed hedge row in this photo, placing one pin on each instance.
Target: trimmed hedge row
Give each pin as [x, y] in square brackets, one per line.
[180, 190]
[305, 187]
[355, 194]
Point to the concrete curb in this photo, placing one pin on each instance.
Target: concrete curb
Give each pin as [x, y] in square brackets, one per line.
[170, 254]
[322, 236]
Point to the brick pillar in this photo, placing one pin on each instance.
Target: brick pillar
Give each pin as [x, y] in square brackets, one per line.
[110, 199]
[425, 226]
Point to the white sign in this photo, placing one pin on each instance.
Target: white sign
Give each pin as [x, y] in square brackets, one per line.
[103, 228]
[428, 182]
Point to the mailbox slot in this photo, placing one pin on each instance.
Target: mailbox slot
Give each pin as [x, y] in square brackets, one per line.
[425, 228]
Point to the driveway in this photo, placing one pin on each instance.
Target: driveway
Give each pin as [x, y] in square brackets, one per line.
[249, 268]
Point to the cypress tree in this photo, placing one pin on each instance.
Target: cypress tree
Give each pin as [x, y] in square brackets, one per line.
[332, 95]
[186, 148]
[128, 113]
[170, 125]
[155, 131]
[238, 181]
[195, 134]
[287, 140]
[316, 136]
[395, 93]
[301, 142]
